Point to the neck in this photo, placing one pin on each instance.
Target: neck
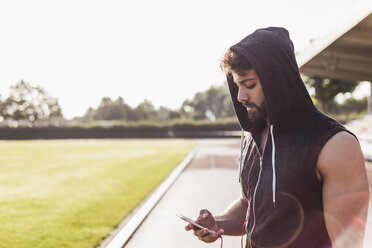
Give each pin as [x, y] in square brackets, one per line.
[267, 123]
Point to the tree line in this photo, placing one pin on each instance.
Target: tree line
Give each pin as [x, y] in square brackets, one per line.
[212, 104]
[34, 105]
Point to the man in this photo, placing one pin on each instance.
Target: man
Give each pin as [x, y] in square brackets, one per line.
[303, 177]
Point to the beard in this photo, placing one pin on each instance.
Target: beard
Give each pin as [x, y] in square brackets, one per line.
[257, 112]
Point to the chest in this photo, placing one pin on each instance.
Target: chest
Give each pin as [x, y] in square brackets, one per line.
[295, 167]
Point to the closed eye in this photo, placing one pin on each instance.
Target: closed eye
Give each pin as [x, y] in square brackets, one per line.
[250, 86]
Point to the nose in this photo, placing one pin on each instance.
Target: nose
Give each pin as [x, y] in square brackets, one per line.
[242, 95]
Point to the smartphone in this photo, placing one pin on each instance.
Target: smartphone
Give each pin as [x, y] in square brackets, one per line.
[194, 223]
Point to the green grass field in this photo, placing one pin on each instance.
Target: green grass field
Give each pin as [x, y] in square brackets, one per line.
[71, 193]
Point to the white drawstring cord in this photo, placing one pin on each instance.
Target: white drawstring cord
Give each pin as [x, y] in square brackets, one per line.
[273, 162]
[241, 155]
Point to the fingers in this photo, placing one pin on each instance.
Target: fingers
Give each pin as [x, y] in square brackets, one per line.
[204, 213]
[207, 220]
[201, 232]
[206, 236]
[189, 227]
[220, 232]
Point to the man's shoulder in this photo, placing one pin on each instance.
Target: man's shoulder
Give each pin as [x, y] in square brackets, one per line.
[341, 143]
[341, 150]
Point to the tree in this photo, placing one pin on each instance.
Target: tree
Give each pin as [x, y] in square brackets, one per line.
[88, 116]
[187, 110]
[111, 110]
[26, 102]
[219, 102]
[212, 104]
[326, 89]
[200, 105]
[145, 111]
[2, 109]
[350, 105]
[165, 114]
[174, 115]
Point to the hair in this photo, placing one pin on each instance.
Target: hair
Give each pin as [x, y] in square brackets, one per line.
[234, 62]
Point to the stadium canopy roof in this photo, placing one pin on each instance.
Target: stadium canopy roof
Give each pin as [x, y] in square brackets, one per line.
[344, 53]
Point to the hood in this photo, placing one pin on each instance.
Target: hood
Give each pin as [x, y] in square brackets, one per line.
[271, 54]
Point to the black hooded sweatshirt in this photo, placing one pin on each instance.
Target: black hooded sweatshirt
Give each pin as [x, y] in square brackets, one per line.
[285, 195]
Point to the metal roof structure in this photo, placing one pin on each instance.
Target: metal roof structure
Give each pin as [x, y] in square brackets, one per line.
[344, 53]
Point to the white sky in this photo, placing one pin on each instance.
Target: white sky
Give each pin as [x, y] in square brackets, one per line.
[163, 50]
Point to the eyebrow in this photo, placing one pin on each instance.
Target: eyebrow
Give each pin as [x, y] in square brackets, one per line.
[246, 80]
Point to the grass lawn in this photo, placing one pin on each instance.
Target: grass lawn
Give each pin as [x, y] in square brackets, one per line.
[71, 193]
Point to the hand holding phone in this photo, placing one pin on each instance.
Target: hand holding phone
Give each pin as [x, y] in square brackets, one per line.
[194, 223]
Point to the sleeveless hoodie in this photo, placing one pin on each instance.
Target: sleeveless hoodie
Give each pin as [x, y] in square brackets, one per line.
[285, 196]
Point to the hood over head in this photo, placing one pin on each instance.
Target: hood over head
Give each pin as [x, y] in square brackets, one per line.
[271, 54]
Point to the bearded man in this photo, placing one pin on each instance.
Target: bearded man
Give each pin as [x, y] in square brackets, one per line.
[302, 174]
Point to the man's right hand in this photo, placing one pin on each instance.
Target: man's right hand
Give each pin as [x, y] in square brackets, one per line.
[206, 219]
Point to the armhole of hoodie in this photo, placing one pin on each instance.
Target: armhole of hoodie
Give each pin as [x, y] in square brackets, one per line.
[333, 129]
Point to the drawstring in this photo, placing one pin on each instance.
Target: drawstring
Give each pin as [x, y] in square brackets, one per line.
[273, 162]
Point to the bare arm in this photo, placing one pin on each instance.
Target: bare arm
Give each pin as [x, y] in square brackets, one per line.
[232, 220]
[229, 223]
[345, 190]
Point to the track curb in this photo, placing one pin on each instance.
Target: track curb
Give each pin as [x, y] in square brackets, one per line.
[123, 236]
